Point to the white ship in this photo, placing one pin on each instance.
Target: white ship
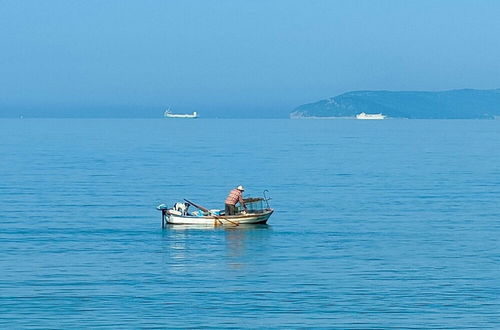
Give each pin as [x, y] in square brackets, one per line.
[364, 115]
[169, 114]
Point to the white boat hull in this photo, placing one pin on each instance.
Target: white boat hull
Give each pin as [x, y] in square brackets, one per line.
[253, 218]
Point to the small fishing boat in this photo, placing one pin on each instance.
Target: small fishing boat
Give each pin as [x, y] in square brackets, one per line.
[256, 213]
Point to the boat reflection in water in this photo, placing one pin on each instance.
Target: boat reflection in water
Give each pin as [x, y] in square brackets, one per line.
[237, 245]
[243, 244]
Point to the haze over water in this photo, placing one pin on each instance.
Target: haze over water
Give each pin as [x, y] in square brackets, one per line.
[235, 58]
[377, 224]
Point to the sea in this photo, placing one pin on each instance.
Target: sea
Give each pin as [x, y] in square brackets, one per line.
[377, 224]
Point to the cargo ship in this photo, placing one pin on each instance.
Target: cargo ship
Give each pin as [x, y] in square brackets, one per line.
[169, 114]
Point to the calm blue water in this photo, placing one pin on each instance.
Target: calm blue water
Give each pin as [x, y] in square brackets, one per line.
[378, 224]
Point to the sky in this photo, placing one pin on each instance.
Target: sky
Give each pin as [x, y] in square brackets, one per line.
[233, 58]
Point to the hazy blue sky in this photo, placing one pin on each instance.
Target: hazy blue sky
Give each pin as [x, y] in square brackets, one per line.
[239, 56]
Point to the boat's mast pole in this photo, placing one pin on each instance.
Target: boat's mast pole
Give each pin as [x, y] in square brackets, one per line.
[266, 199]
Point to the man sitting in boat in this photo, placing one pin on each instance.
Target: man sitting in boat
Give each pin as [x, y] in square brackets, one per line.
[235, 196]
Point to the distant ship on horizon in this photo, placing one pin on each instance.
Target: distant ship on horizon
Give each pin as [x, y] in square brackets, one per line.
[169, 114]
[364, 115]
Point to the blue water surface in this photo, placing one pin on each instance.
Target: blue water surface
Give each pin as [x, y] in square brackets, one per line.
[378, 224]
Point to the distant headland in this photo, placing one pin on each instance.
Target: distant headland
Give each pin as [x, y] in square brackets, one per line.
[453, 104]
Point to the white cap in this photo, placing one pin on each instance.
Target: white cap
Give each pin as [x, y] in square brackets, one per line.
[240, 188]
